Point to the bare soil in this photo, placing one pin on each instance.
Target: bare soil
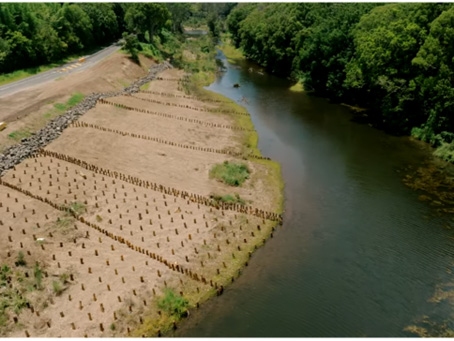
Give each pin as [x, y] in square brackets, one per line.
[28, 110]
[124, 242]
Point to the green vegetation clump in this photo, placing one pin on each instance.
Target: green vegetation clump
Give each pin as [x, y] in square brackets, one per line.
[20, 259]
[233, 174]
[232, 199]
[131, 45]
[57, 287]
[173, 304]
[38, 276]
[12, 293]
[18, 135]
[76, 208]
[445, 152]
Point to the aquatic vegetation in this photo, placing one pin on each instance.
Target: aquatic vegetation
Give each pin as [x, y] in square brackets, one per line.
[436, 184]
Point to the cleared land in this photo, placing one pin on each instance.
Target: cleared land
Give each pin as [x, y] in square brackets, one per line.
[122, 200]
[29, 110]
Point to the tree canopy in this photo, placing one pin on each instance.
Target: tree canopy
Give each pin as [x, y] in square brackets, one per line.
[397, 59]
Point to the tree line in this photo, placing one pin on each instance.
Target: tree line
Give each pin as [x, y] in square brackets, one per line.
[397, 60]
[33, 34]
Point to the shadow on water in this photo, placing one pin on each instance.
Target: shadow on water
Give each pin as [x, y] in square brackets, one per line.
[359, 254]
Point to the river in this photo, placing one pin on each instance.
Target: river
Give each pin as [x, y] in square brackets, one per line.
[358, 254]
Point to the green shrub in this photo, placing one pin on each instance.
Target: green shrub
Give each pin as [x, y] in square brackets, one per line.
[76, 208]
[64, 278]
[58, 289]
[445, 151]
[38, 276]
[5, 271]
[20, 259]
[233, 174]
[175, 305]
[234, 199]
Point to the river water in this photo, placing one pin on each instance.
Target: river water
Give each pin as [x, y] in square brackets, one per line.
[358, 254]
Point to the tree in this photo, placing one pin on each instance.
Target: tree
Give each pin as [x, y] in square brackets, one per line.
[74, 27]
[146, 17]
[103, 20]
[132, 45]
[179, 13]
[381, 73]
[435, 63]
[326, 46]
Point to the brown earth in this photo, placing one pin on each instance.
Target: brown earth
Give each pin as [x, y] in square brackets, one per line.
[30, 109]
[124, 243]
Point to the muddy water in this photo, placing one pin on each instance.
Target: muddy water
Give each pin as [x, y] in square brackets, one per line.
[359, 254]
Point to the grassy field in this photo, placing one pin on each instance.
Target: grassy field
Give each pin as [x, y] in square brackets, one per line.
[57, 110]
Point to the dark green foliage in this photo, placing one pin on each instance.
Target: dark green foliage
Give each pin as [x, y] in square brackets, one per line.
[173, 304]
[103, 20]
[131, 44]
[180, 12]
[5, 272]
[394, 59]
[233, 174]
[20, 259]
[144, 18]
[33, 34]
[38, 276]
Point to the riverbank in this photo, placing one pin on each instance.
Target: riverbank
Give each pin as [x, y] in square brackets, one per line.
[122, 203]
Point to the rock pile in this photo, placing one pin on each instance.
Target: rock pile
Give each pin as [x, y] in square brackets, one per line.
[28, 146]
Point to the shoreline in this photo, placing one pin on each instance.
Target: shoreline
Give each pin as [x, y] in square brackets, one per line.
[250, 142]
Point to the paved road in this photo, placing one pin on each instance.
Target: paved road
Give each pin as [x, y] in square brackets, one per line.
[55, 73]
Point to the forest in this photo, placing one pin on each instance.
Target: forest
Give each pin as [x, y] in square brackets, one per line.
[396, 60]
[33, 34]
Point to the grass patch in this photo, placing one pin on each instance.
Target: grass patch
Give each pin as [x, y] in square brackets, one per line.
[231, 173]
[298, 87]
[38, 272]
[445, 152]
[231, 52]
[145, 86]
[18, 135]
[20, 259]
[76, 208]
[173, 304]
[64, 222]
[75, 99]
[12, 294]
[57, 288]
[24, 73]
[232, 199]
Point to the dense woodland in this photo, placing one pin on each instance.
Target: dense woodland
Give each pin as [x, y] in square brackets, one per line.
[33, 34]
[397, 60]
